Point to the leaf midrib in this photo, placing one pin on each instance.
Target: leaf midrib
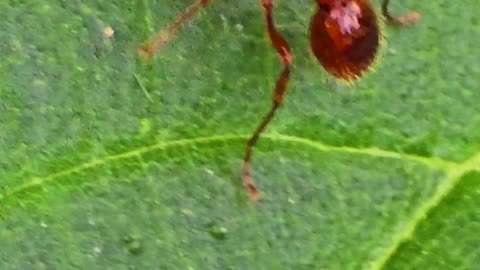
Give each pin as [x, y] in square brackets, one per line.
[452, 179]
[453, 171]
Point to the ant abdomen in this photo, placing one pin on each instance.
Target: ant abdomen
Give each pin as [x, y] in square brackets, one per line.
[345, 37]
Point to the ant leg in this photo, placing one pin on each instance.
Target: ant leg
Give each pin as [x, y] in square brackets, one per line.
[399, 20]
[161, 38]
[283, 50]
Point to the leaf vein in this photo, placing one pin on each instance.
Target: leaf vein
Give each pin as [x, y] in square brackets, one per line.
[451, 180]
[372, 151]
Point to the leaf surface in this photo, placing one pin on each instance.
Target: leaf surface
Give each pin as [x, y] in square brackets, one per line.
[113, 162]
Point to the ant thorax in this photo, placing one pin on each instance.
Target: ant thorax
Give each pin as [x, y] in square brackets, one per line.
[342, 23]
[346, 16]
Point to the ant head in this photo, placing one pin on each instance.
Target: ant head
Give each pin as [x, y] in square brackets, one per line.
[344, 36]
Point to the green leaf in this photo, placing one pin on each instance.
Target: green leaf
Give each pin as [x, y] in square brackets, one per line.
[108, 161]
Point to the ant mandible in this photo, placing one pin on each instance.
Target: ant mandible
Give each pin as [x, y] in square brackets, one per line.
[344, 37]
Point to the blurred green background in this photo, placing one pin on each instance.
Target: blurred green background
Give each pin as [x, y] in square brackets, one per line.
[108, 161]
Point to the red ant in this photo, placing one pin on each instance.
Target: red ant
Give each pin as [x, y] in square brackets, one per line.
[344, 37]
